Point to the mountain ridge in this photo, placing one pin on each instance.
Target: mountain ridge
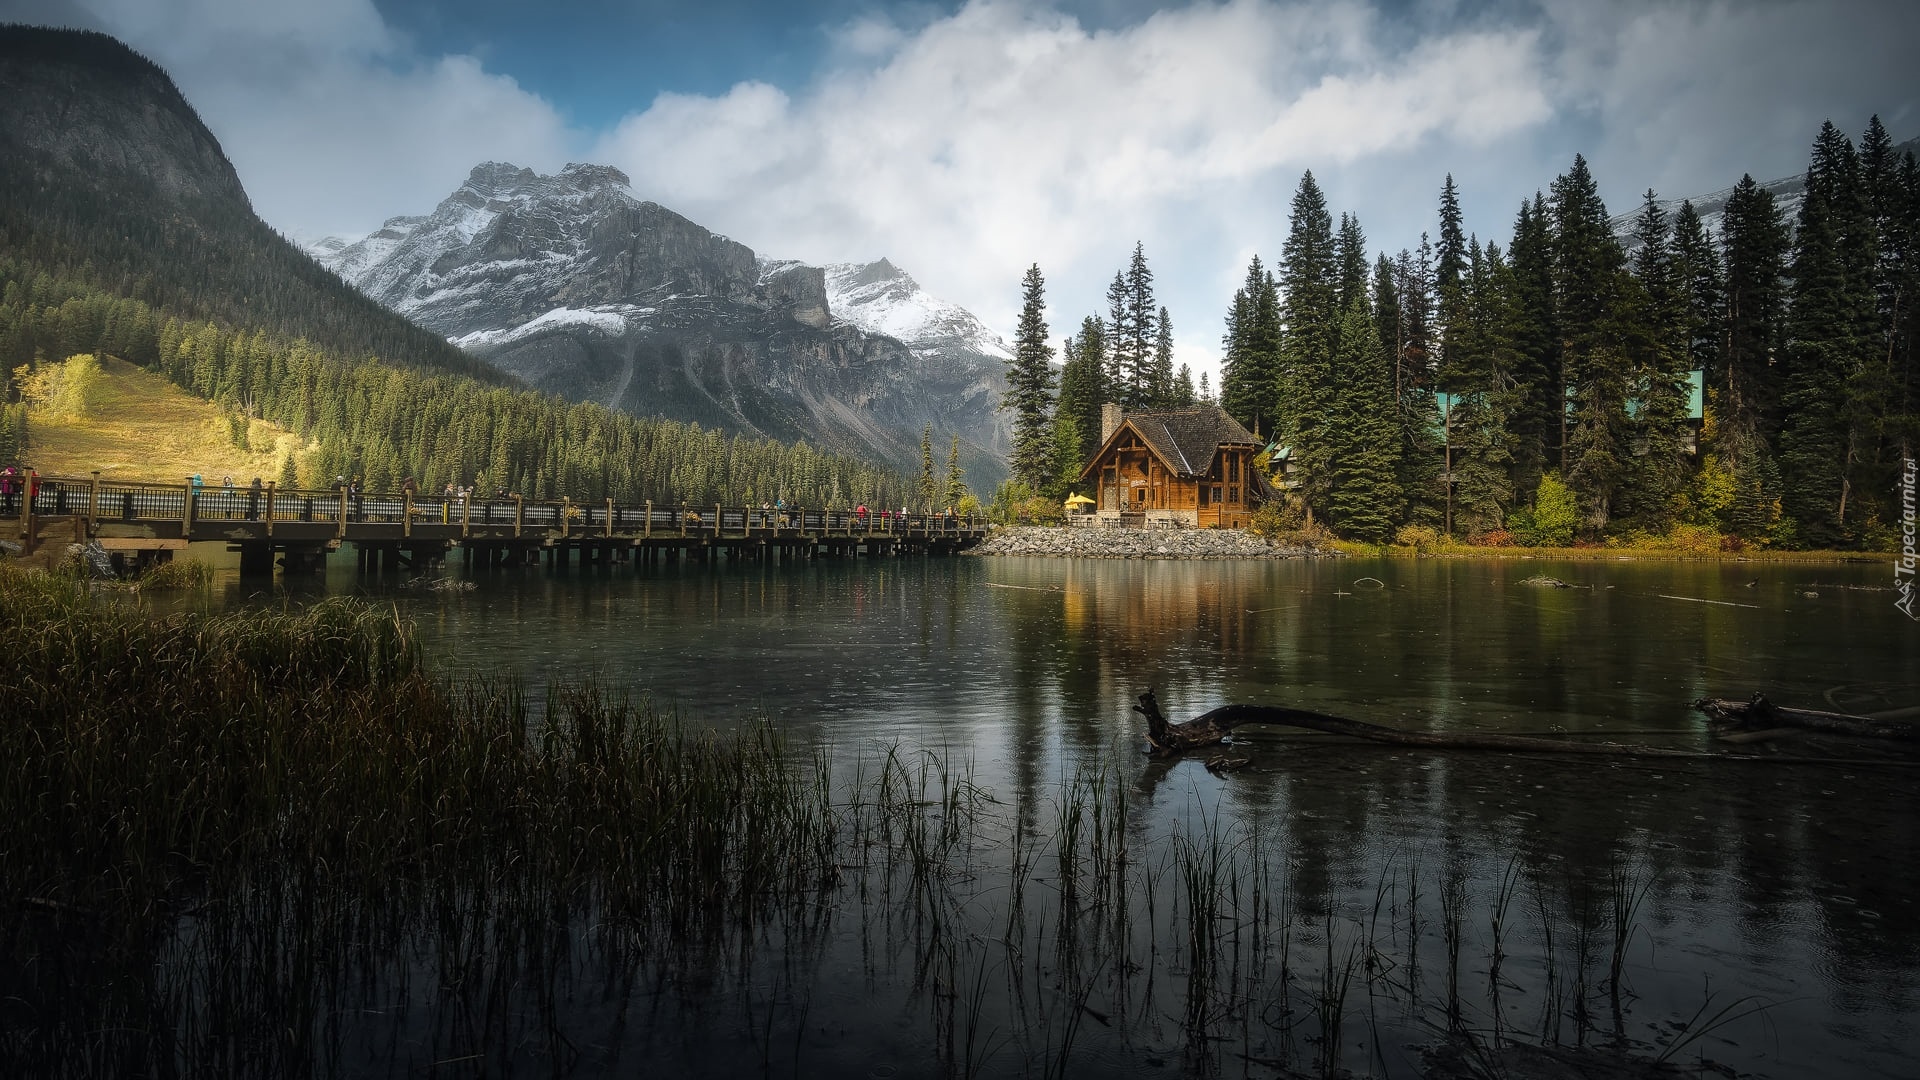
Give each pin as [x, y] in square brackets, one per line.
[577, 286]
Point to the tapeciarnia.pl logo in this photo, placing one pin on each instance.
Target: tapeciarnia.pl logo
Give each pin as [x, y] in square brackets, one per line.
[1903, 567]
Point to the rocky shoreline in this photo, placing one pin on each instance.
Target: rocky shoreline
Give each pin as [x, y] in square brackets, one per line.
[1139, 544]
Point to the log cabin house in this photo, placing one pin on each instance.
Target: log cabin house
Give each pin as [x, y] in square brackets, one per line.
[1183, 467]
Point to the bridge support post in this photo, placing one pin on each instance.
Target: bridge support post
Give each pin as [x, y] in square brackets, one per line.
[256, 560]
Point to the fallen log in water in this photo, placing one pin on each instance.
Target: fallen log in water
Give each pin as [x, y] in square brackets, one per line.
[1165, 738]
[1761, 713]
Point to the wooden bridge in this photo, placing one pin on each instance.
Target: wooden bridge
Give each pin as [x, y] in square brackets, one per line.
[143, 522]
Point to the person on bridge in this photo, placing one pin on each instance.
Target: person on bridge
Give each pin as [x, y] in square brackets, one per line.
[8, 478]
[253, 499]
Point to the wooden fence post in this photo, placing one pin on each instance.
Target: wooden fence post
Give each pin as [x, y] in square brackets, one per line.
[270, 487]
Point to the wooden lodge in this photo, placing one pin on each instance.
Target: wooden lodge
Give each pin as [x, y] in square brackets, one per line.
[1191, 467]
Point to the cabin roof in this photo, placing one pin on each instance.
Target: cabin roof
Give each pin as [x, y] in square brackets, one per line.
[1185, 440]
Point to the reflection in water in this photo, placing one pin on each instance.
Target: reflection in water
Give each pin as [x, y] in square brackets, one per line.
[1334, 900]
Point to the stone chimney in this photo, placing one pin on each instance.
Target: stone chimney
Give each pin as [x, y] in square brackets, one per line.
[1110, 415]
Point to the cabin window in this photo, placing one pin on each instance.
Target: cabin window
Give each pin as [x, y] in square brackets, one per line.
[1233, 495]
[1203, 494]
[1216, 493]
[1233, 467]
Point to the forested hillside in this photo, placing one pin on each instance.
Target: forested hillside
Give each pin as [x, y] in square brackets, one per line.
[385, 423]
[107, 176]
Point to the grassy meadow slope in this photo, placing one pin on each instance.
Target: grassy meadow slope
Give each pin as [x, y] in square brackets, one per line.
[137, 425]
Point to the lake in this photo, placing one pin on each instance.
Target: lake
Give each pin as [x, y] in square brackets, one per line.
[1329, 905]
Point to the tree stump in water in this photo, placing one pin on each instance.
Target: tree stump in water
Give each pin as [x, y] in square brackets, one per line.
[1165, 738]
[1760, 713]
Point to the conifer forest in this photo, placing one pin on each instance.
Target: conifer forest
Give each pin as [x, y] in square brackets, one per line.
[1757, 380]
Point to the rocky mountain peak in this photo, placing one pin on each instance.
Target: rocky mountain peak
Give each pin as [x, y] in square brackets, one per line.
[594, 177]
[875, 272]
[499, 179]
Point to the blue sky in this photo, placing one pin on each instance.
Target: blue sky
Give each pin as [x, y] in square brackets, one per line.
[966, 139]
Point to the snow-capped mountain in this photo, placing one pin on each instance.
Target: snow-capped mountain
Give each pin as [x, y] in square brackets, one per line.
[575, 285]
[881, 298]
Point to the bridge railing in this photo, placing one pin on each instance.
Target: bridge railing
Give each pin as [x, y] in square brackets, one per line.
[136, 502]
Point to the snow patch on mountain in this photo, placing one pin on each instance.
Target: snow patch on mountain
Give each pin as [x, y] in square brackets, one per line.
[611, 321]
[881, 298]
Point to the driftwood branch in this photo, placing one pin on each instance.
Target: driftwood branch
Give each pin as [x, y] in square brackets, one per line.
[1759, 713]
[1165, 738]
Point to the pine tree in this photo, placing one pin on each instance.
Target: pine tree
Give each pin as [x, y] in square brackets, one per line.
[1451, 254]
[1588, 273]
[1364, 496]
[1449, 289]
[1421, 454]
[1120, 361]
[1141, 329]
[1309, 281]
[1082, 384]
[1029, 393]
[929, 489]
[1164, 394]
[1067, 459]
[1829, 332]
[1250, 366]
[1537, 424]
[1351, 244]
[1743, 388]
[1659, 340]
[1184, 395]
[956, 477]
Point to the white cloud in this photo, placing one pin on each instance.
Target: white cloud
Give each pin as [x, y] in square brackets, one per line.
[968, 144]
[329, 117]
[1008, 134]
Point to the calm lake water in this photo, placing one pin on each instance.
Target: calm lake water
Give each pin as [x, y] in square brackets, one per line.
[1480, 892]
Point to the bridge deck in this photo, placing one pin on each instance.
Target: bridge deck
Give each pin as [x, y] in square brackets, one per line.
[143, 516]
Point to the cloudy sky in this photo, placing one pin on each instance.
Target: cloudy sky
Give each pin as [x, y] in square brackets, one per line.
[966, 139]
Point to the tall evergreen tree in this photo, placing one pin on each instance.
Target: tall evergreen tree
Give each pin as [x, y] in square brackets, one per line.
[1450, 267]
[1082, 384]
[1588, 273]
[1250, 368]
[1142, 328]
[1351, 245]
[929, 488]
[1363, 499]
[1421, 452]
[1744, 384]
[1119, 334]
[956, 476]
[1310, 320]
[1658, 342]
[1165, 393]
[1029, 393]
[1829, 333]
[1538, 421]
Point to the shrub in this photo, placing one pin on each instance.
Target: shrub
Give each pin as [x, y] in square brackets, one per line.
[1551, 520]
[1418, 537]
[1498, 538]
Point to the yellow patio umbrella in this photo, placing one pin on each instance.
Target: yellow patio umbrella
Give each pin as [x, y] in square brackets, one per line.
[1078, 500]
